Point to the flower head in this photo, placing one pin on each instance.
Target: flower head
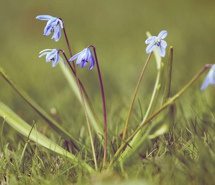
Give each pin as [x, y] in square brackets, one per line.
[210, 78]
[157, 42]
[52, 55]
[53, 25]
[84, 57]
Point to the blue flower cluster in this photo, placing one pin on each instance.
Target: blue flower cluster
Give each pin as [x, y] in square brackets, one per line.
[55, 25]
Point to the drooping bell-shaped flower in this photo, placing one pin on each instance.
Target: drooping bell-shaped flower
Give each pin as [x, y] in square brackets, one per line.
[52, 55]
[210, 78]
[54, 25]
[83, 58]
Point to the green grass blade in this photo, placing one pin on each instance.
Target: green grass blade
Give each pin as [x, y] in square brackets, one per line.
[57, 127]
[24, 128]
[72, 82]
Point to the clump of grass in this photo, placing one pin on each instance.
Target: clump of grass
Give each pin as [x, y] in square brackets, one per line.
[166, 147]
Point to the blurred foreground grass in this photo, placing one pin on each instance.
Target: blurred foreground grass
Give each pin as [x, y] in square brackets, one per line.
[118, 29]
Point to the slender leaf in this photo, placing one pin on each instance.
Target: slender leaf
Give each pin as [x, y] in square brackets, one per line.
[72, 82]
[55, 125]
[24, 128]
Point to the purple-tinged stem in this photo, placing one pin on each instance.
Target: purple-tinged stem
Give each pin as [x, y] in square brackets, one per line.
[74, 73]
[72, 67]
[83, 94]
[104, 105]
[68, 44]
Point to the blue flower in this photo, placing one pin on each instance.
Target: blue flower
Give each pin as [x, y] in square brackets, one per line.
[210, 78]
[53, 25]
[52, 55]
[84, 57]
[157, 42]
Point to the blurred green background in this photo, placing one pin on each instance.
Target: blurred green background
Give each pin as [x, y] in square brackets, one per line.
[117, 28]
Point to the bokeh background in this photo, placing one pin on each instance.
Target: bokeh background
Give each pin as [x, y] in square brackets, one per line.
[117, 28]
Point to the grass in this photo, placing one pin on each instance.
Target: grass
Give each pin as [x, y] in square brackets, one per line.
[177, 147]
[184, 155]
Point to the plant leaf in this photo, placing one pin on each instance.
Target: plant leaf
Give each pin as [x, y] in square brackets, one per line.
[57, 127]
[72, 82]
[24, 128]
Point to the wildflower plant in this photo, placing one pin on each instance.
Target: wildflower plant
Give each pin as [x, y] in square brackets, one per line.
[129, 142]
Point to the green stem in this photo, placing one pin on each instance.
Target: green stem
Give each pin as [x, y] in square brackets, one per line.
[163, 107]
[26, 144]
[135, 95]
[68, 44]
[88, 126]
[92, 144]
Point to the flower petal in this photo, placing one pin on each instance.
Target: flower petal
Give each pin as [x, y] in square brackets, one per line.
[74, 57]
[49, 27]
[205, 83]
[150, 39]
[44, 17]
[61, 23]
[162, 51]
[81, 57]
[44, 52]
[56, 60]
[210, 78]
[150, 47]
[163, 44]
[162, 34]
[57, 33]
[92, 63]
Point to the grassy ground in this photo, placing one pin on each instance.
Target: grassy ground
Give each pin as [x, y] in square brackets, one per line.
[184, 155]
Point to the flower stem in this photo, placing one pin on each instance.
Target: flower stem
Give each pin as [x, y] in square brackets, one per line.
[67, 40]
[169, 78]
[74, 73]
[138, 138]
[104, 105]
[163, 107]
[87, 119]
[68, 44]
[82, 90]
[134, 96]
